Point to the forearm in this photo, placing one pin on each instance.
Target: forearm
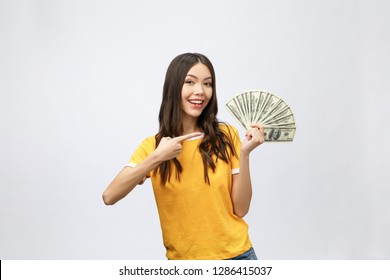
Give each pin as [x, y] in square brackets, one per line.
[242, 187]
[128, 178]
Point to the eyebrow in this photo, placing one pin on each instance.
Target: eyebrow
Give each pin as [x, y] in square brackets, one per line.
[197, 77]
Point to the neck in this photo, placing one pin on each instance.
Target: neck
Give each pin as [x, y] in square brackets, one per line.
[190, 125]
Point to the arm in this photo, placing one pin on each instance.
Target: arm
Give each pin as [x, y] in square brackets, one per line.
[242, 186]
[129, 177]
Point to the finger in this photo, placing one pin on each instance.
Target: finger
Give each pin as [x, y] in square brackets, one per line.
[255, 134]
[187, 136]
[259, 128]
[257, 125]
[253, 130]
[249, 134]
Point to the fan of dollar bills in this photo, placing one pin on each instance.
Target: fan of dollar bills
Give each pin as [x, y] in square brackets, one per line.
[256, 106]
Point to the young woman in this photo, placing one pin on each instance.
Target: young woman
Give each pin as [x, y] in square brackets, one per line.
[198, 166]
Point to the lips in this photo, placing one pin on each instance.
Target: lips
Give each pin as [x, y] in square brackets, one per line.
[196, 101]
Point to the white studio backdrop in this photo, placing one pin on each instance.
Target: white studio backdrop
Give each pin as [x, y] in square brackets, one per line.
[80, 88]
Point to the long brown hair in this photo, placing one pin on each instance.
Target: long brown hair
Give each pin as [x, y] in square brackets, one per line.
[215, 141]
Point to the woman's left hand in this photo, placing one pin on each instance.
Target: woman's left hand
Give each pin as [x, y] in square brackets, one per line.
[253, 138]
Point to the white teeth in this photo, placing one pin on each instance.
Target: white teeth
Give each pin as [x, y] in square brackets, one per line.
[196, 101]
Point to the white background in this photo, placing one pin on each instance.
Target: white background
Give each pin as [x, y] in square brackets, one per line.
[80, 88]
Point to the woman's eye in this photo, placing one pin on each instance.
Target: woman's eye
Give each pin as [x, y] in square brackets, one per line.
[208, 84]
[189, 82]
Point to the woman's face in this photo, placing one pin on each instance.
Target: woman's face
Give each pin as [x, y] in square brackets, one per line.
[197, 91]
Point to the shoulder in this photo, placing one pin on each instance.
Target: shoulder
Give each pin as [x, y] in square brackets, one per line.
[148, 142]
[150, 139]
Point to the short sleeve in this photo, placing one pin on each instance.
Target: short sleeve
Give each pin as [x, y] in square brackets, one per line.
[232, 135]
[146, 147]
[234, 159]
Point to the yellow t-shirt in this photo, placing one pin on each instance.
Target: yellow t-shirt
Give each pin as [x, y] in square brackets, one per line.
[197, 219]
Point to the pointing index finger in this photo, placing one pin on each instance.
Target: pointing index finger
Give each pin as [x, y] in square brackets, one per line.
[187, 136]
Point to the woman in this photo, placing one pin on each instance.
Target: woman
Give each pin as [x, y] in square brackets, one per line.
[198, 167]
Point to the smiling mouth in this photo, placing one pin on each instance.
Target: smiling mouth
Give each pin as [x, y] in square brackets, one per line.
[196, 102]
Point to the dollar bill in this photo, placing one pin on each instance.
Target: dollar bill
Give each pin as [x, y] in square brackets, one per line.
[279, 107]
[271, 111]
[280, 119]
[232, 108]
[278, 134]
[270, 103]
[289, 125]
[259, 100]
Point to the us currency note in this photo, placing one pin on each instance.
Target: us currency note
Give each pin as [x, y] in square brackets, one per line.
[266, 97]
[267, 109]
[278, 107]
[232, 108]
[270, 103]
[280, 117]
[278, 134]
[239, 102]
[259, 99]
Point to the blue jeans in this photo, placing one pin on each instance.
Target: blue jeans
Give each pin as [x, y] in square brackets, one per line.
[248, 255]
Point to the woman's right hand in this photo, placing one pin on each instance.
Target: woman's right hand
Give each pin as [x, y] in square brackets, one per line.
[169, 148]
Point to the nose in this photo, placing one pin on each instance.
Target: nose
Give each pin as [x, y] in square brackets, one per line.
[198, 90]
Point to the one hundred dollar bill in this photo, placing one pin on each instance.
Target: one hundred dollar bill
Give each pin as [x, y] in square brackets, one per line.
[279, 134]
[267, 109]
